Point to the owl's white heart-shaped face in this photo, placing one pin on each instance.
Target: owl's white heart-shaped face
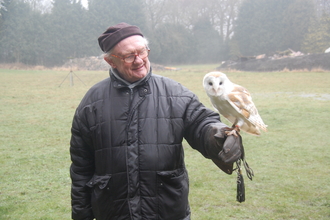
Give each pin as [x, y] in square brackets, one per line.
[216, 84]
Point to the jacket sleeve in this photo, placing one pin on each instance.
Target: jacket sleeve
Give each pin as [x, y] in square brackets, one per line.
[201, 124]
[81, 170]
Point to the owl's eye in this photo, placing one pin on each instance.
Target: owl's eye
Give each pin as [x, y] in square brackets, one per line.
[210, 83]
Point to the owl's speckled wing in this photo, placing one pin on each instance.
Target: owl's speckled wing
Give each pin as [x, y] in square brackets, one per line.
[241, 101]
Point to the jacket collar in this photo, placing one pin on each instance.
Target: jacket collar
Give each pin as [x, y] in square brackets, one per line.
[121, 83]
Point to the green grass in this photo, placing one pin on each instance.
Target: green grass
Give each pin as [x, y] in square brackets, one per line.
[291, 161]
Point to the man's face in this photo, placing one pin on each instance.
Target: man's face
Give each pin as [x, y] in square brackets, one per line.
[135, 71]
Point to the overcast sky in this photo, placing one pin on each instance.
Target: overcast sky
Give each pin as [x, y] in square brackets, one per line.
[84, 3]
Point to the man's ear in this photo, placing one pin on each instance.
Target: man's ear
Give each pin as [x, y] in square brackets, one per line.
[109, 61]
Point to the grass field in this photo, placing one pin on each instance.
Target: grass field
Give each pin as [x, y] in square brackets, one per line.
[291, 161]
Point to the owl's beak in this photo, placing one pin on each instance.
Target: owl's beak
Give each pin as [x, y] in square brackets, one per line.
[216, 89]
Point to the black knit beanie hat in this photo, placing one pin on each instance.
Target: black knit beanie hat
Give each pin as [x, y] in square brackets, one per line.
[116, 33]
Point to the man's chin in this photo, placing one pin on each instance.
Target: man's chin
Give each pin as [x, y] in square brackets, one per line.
[140, 73]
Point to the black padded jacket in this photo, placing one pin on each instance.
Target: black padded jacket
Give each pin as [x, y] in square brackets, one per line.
[126, 149]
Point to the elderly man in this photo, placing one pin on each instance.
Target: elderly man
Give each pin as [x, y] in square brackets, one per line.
[126, 144]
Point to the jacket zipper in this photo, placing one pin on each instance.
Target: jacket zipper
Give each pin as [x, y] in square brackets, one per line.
[130, 113]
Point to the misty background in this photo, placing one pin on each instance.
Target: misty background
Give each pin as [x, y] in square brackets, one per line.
[48, 33]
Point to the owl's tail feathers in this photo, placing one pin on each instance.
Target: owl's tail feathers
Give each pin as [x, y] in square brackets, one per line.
[258, 122]
[263, 127]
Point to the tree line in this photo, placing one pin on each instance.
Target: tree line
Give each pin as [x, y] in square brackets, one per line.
[39, 32]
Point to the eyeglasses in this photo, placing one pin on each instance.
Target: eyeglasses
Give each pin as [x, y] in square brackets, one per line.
[131, 58]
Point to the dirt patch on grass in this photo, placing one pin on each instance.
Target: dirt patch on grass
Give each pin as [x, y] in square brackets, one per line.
[87, 63]
[20, 66]
[304, 62]
[321, 97]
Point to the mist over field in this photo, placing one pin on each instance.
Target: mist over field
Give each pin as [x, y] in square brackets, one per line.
[277, 49]
[290, 161]
[50, 33]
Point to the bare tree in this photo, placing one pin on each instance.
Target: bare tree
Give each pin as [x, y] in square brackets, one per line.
[221, 13]
[44, 6]
[322, 7]
[155, 12]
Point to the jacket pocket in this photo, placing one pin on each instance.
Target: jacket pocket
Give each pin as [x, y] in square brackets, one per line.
[101, 198]
[173, 194]
[100, 181]
[93, 116]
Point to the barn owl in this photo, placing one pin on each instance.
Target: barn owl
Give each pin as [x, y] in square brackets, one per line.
[234, 102]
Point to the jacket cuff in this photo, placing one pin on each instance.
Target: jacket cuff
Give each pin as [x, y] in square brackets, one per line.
[214, 139]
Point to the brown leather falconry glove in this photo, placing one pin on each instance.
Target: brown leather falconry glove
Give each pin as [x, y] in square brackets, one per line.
[224, 151]
[230, 150]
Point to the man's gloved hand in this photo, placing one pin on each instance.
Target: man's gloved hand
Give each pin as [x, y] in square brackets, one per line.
[232, 149]
[223, 150]
[214, 139]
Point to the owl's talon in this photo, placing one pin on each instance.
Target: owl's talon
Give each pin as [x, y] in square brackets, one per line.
[232, 132]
